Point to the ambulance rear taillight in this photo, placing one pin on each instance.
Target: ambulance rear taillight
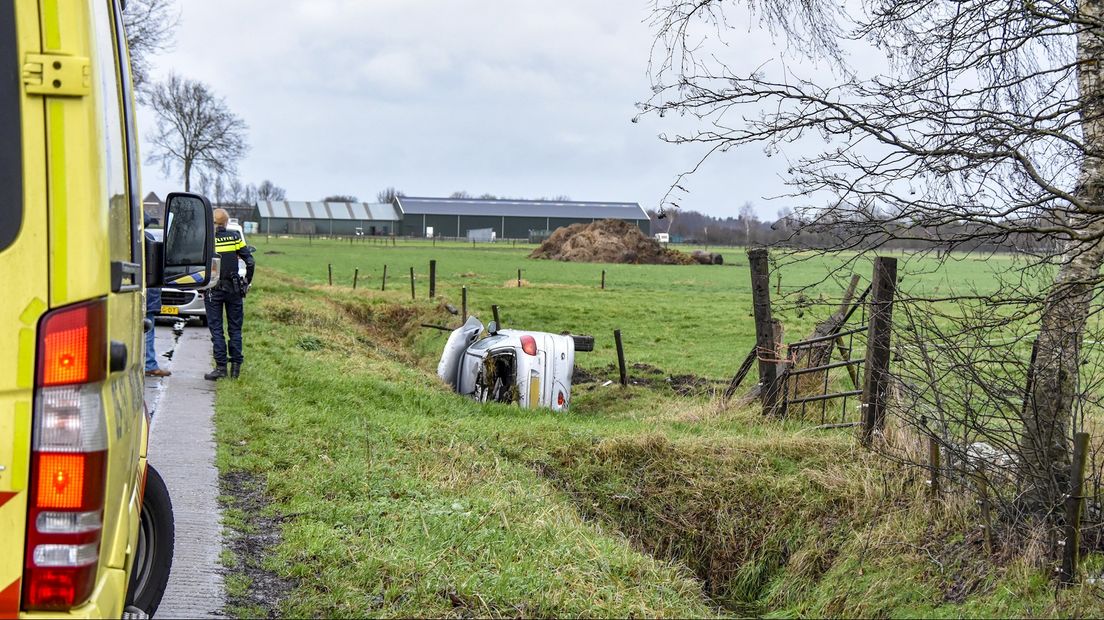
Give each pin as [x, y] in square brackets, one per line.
[68, 459]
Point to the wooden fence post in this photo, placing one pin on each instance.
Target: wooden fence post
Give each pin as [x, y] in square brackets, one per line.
[1072, 544]
[464, 304]
[383, 286]
[412, 295]
[621, 358]
[356, 274]
[432, 279]
[744, 369]
[603, 279]
[494, 312]
[764, 330]
[933, 463]
[876, 382]
[986, 510]
[519, 278]
[1030, 389]
[329, 270]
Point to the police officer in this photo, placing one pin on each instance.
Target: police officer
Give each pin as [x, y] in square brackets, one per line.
[228, 294]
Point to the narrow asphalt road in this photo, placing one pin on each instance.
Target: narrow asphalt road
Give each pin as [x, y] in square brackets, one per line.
[182, 448]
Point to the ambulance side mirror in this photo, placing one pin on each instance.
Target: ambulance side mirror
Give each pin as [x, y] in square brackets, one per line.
[188, 252]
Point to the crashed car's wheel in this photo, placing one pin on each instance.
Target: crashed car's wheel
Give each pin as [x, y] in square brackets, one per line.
[583, 343]
[154, 551]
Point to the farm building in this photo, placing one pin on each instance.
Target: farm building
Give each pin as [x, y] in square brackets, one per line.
[509, 219]
[153, 207]
[327, 218]
[241, 213]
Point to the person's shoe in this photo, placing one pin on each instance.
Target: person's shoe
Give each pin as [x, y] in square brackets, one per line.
[158, 372]
[235, 371]
[218, 373]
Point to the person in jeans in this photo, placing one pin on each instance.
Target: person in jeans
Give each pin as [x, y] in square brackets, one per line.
[153, 308]
[229, 296]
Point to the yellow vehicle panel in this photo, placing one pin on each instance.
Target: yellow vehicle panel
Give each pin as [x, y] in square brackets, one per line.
[79, 198]
[27, 297]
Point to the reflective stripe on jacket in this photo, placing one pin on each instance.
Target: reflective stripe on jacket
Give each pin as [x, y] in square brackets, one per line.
[230, 246]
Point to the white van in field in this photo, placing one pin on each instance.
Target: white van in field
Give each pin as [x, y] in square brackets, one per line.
[532, 369]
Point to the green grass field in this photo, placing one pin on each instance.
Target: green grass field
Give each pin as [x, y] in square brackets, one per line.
[394, 497]
[682, 319]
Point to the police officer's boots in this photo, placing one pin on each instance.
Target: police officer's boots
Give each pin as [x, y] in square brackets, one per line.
[218, 373]
[235, 370]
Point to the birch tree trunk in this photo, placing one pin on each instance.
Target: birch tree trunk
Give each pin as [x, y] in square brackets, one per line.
[1044, 446]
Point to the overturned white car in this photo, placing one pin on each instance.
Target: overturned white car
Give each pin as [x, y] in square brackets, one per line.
[532, 369]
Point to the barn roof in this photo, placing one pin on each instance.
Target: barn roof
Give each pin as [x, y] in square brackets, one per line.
[521, 208]
[380, 212]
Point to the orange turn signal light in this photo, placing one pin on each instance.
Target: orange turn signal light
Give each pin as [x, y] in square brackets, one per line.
[61, 481]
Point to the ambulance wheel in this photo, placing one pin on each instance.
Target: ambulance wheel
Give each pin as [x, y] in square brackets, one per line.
[154, 551]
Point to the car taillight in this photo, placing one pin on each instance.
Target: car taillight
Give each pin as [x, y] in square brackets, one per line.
[69, 459]
[529, 345]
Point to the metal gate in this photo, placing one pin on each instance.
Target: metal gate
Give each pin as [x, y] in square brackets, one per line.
[795, 382]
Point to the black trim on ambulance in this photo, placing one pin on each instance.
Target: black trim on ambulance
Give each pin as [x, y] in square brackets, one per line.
[134, 192]
[11, 147]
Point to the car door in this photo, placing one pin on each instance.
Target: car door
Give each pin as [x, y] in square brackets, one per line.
[458, 342]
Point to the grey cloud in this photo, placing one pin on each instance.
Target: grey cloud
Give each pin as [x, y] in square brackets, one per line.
[514, 97]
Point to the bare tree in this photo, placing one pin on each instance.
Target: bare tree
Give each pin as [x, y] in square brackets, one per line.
[340, 198]
[248, 195]
[196, 131]
[149, 26]
[987, 124]
[234, 189]
[388, 195]
[204, 184]
[219, 190]
[460, 194]
[268, 190]
[747, 216]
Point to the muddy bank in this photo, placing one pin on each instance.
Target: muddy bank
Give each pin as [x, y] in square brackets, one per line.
[650, 376]
[252, 590]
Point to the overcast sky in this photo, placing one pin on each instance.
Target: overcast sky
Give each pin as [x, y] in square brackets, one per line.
[513, 97]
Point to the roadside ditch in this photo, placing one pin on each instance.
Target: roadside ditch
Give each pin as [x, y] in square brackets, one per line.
[768, 519]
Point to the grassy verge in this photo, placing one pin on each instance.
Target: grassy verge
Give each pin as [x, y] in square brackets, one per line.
[393, 497]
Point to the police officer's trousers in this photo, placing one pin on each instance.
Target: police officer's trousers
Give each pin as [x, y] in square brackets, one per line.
[217, 299]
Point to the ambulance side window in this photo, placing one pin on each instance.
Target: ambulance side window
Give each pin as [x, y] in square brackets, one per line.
[134, 194]
[105, 72]
[11, 147]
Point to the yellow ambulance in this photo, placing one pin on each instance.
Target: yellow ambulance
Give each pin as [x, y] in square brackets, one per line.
[86, 527]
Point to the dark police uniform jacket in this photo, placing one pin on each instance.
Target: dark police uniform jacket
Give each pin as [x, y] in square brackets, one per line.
[230, 247]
